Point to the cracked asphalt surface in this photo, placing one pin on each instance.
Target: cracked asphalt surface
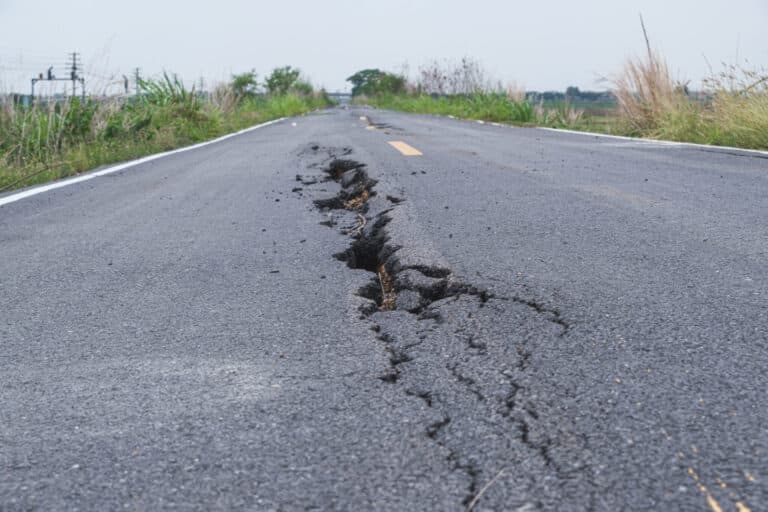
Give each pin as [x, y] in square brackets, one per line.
[580, 323]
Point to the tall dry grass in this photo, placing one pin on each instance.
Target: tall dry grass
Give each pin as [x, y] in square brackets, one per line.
[645, 91]
[731, 111]
[739, 111]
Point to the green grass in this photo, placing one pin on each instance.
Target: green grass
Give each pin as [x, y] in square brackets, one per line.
[47, 142]
[498, 107]
[733, 112]
[482, 106]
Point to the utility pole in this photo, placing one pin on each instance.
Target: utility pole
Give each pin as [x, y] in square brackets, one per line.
[73, 74]
[137, 79]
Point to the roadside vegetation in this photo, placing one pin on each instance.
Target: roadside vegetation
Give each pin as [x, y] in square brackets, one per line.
[644, 101]
[461, 90]
[54, 139]
[731, 111]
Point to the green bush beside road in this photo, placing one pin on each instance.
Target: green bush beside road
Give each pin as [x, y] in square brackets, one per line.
[51, 140]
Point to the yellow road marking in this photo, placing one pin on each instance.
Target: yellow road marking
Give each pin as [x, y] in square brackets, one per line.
[713, 504]
[711, 501]
[405, 148]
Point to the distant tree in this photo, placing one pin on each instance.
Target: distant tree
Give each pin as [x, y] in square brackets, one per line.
[391, 84]
[282, 80]
[363, 81]
[371, 82]
[572, 92]
[244, 84]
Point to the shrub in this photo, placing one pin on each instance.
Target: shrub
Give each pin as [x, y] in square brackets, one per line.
[302, 87]
[244, 84]
[447, 78]
[282, 80]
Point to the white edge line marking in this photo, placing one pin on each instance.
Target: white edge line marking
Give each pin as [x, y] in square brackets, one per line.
[120, 167]
[654, 141]
[608, 136]
[622, 137]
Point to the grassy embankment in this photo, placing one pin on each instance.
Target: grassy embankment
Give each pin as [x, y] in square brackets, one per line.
[491, 106]
[460, 89]
[731, 111]
[53, 140]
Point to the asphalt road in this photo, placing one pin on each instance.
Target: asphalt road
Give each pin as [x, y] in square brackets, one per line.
[478, 317]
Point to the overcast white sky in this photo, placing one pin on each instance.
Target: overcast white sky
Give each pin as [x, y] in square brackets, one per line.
[540, 45]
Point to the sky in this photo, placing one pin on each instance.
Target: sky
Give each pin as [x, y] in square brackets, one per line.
[545, 45]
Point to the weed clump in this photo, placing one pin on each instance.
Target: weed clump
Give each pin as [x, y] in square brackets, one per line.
[732, 110]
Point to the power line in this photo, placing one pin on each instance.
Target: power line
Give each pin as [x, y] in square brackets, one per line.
[73, 67]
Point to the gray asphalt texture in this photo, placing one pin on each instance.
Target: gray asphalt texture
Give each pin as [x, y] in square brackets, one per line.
[581, 324]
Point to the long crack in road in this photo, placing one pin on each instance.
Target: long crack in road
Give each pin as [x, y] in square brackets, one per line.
[437, 329]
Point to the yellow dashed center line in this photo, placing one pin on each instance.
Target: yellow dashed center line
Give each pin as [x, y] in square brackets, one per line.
[405, 148]
[711, 501]
[714, 505]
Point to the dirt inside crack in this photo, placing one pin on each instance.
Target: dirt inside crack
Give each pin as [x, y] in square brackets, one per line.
[388, 295]
[358, 201]
[369, 251]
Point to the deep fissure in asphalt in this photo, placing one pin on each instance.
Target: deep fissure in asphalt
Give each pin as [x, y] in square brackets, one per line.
[395, 286]
[429, 293]
[411, 288]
